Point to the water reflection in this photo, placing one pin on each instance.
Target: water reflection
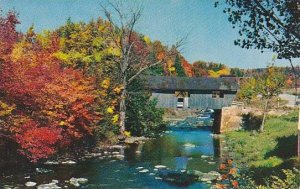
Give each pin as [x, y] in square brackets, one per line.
[178, 149]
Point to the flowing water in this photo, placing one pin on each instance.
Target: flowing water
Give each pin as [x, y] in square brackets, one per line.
[177, 149]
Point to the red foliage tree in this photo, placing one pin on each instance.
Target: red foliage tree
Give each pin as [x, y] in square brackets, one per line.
[8, 33]
[54, 105]
[188, 68]
[38, 141]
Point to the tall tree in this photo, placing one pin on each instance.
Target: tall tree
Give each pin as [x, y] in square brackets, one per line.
[179, 69]
[135, 58]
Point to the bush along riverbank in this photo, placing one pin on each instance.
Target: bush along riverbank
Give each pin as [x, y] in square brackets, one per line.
[263, 160]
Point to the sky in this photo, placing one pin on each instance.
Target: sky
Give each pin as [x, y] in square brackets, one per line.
[209, 35]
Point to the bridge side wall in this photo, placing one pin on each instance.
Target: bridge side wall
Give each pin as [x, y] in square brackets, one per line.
[165, 100]
[194, 101]
[201, 101]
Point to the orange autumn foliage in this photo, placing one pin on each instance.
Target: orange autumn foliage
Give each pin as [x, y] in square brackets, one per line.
[53, 105]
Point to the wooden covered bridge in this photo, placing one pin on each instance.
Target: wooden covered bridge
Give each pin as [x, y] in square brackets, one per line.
[194, 93]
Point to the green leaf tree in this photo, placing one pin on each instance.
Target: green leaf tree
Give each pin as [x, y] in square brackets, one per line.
[179, 69]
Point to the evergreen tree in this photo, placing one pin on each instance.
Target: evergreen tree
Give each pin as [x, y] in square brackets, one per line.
[179, 69]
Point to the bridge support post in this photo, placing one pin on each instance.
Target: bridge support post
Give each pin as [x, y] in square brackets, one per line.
[217, 121]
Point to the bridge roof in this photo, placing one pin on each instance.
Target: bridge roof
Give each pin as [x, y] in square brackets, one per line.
[192, 83]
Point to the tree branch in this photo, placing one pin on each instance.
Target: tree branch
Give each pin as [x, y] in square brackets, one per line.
[142, 70]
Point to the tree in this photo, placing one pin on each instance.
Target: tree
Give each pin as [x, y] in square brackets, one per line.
[269, 24]
[135, 57]
[268, 85]
[188, 68]
[8, 33]
[49, 106]
[178, 67]
[247, 90]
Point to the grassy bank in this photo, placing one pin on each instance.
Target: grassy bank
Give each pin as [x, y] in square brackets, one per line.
[266, 153]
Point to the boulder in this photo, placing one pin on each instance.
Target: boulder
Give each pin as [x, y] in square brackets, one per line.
[144, 171]
[160, 166]
[69, 162]
[30, 184]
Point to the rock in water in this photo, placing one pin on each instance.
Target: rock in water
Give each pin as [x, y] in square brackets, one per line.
[51, 163]
[160, 166]
[77, 181]
[30, 184]
[178, 177]
[68, 162]
[144, 171]
[189, 145]
[211, 176]
[42, 170]
[82, 180]
[48, 186]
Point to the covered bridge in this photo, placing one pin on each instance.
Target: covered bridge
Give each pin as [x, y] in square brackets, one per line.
[193, 93]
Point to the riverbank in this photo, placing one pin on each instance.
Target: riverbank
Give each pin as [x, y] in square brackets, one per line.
[267, 153]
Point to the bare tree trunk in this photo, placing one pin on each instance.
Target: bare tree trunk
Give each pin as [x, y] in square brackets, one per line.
[299, 133]
[122, 116]
[261, 129]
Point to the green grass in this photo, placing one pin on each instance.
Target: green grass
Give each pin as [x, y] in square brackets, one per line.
[271, 148]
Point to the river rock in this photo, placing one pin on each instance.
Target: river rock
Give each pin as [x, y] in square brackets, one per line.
[189, 145]
[69, 162]
[82, 180]
[7, 187]
[204, 156]
[212, 175]
[211, 162]
[160, 166]
[144, 171]
[30, 184]
[77, 181]
[178, 177]
[139, 167]
[55, 181]
[119, 156]
[48, 186]
[117, 147]
[42, 170]
[51, 162]
[131, 140]
[195, 172]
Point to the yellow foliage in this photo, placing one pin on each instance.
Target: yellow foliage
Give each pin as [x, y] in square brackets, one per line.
[172, 69]
[105, 83]
[62, 123]
[147, 40]
[114, 51]
[5, 109]
[118, 89]
[115, 119]
[127, 133]
[224, 71]
[110, 110]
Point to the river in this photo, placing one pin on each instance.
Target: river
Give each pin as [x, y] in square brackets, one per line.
[177, 149]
